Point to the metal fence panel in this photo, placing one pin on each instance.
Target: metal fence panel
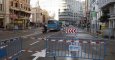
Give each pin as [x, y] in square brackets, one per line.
[75, 48]
[10, 49]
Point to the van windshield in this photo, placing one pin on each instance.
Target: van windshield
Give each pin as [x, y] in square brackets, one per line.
[51, 22]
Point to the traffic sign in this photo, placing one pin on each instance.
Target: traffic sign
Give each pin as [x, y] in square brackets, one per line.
[74, 46]
[71, 30]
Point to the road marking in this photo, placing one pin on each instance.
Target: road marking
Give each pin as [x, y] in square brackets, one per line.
[60, 41]
[30, 51]
[26, 36]
[34, 43]
[23, 50]
[69, 59]
[33, 38]
[39, 54]
[3, 46]
[53, 40]
[40, 38]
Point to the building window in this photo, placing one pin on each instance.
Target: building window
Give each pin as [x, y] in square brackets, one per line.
[16, 4]
[21, 5]
[1, 7]
[12, 3]
[1, 1]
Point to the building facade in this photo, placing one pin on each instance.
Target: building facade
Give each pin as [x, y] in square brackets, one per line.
[16, 14]
[70, 11]
[2, 12]
[94, 15]
[65, 13]
[86, 21]
[45, 16]
[39, 16]
[109, 6]
[20, 13]
[36, 15]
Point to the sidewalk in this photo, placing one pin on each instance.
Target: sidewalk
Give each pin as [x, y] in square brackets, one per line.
[110, 46]
[17, 33]
[110, 50]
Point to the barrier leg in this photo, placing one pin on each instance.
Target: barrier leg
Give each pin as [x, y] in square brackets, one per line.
[54, 58]
[16, 59]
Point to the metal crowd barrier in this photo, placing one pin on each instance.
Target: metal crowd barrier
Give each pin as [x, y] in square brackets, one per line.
[10, 49]
[76, 48]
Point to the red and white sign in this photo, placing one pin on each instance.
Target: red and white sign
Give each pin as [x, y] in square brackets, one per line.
[71, 30]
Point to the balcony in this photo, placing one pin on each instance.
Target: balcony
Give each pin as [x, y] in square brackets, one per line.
[104, 3]
[20, 9]
[64, 16]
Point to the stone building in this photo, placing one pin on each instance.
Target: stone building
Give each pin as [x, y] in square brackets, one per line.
[45, 16]
[109, 6]
[14, 13]
[39, 16]
[36, 15]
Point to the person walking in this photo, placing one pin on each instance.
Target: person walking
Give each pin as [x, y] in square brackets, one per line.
[44, 28]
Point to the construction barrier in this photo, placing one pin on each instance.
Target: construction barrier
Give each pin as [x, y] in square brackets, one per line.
[10, 49]
[76, 48]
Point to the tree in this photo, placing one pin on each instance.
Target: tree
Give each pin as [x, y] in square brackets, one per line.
[105, 17]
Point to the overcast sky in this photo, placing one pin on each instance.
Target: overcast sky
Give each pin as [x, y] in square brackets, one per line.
[50, 5]
[33, 2]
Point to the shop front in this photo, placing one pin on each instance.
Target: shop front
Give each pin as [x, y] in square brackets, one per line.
[18, 23]
[112, 26]
[21, 23]
[1, 23]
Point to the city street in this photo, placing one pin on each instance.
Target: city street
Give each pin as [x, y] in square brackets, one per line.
[57, 29]
[33, 46]
[18, 33]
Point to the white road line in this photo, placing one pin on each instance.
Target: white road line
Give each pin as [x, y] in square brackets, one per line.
[39, 54]
[29, 35]
[40, 38]
[60, 41]
[30, 51]
[23, 50]
[36, 51]
[3, 46]
[34, 43]
[32, 37]
[69, 59]
[53, 40]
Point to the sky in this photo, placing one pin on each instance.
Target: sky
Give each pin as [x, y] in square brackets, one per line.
[50, 5]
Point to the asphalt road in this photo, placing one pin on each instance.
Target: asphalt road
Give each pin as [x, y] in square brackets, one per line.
[4, 35]
[33, 44]
[37, 44]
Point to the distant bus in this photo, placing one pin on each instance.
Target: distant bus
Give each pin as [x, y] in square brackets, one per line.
[54, 25]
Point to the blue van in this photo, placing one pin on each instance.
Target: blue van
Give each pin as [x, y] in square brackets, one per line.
[54, 25]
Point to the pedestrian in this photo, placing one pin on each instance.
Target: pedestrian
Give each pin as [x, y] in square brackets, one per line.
[44, 28]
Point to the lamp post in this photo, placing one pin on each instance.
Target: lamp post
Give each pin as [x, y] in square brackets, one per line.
[19, 16]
